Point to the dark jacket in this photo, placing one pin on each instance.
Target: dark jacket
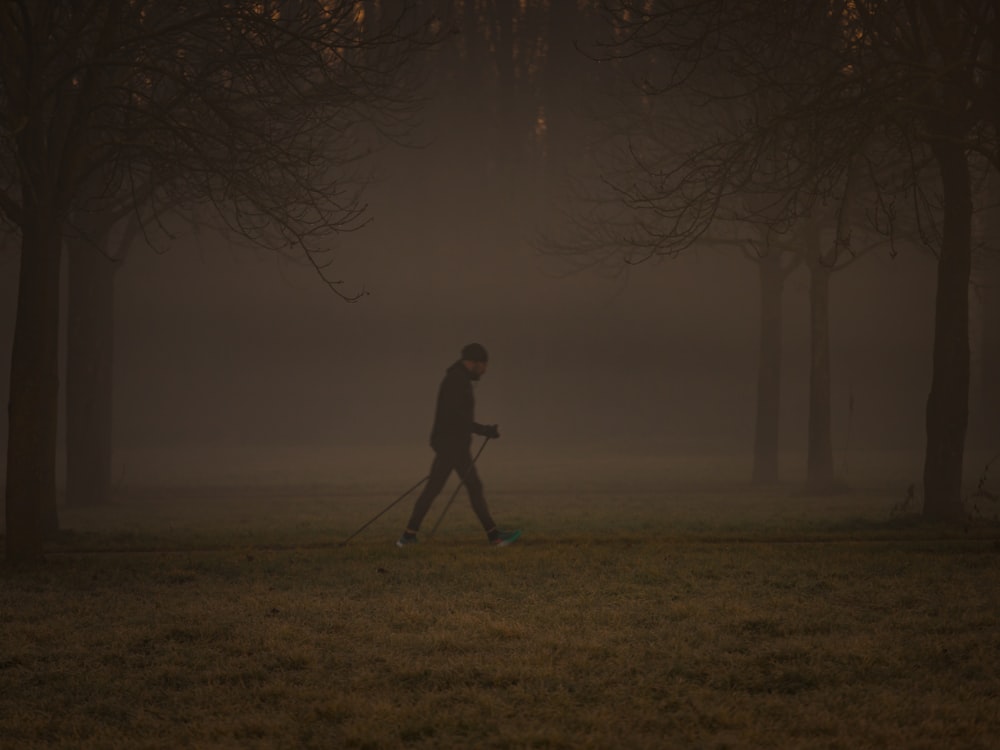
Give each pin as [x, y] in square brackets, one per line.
[454, 421]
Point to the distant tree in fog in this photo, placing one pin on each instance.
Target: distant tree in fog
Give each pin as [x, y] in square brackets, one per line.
[989, 377]
[986, 307]
[97, 244]
[512, 83]
[259, 110]
[774, 265]
[713, 164]
[919, 78]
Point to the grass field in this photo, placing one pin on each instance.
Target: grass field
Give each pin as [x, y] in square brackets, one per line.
[693, 617]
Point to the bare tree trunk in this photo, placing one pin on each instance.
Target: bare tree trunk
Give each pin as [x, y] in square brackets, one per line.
[89, 361]
[819, 463]
[562, 62]
[948, 402]
[986, 267]
[506, 116]
[990, 357]
[765, 446]
[34, 388]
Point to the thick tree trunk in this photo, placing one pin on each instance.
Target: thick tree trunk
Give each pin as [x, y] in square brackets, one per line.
[765, 446]
[819, 463]
[948, 402]
[33, 403]
[89, 360]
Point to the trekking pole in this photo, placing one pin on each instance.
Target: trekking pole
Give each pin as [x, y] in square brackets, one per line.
[385, 510]
[461, 481]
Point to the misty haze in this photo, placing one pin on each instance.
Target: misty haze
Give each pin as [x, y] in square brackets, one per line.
[230, 362]
[686, 313]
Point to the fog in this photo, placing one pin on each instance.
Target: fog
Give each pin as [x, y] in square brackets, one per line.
[235, 365]
[223, 351]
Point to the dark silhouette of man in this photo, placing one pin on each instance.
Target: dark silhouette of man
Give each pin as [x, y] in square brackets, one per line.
[451, 439]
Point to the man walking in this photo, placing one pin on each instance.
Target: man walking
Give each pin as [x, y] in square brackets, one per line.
[451, 438]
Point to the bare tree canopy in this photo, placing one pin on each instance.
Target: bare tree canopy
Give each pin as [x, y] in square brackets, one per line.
[753, 111]
[261, 110]
[765, 112]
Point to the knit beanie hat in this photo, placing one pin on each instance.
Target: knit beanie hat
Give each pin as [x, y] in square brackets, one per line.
[475, 353]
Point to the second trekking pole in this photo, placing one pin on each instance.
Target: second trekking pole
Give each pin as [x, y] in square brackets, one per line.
[384, 511]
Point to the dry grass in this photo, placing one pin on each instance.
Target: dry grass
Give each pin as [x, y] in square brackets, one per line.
[682, 619]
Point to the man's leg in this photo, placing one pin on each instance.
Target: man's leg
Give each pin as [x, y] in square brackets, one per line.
[467, 470]
[440, 469]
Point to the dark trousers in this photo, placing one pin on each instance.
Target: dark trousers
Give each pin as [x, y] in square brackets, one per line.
[444, 463]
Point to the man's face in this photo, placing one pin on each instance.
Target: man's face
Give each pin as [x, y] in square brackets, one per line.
[476, 369]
